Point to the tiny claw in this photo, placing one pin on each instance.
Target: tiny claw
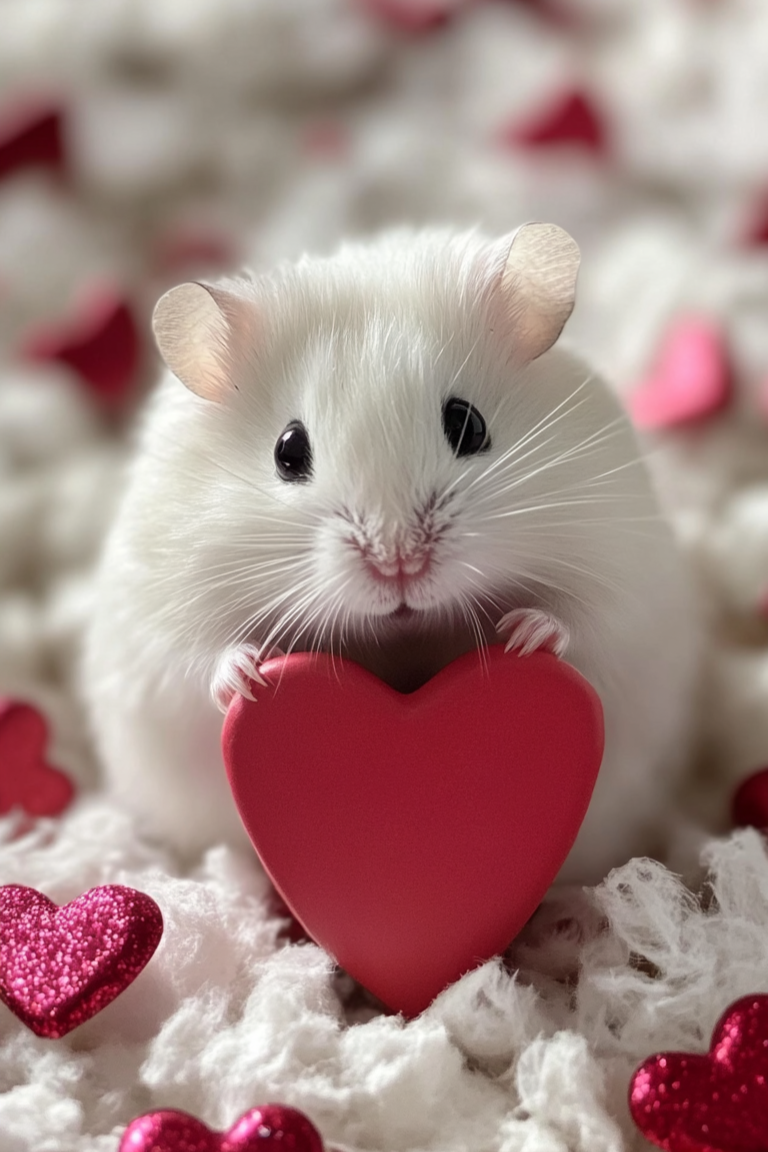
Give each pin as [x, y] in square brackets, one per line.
[532, 630]
[237, 669]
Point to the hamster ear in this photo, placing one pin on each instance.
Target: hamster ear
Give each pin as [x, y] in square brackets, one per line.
[538, 286]
[197, 328]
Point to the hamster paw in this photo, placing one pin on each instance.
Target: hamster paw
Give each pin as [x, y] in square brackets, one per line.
[235, 671]
[531, 629]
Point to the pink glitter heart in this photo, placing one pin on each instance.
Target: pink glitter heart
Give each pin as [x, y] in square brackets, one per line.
[271, 1128]
[692, 379]
[713, 1103]
[60, 966]
[26, 780]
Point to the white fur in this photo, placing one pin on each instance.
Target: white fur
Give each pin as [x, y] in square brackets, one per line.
[224, 1017]
[212, 549]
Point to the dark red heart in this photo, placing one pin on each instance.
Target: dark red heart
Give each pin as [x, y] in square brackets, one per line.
[31, 136]
[571, 118]
[27, 781]
[414, 835]
[712, 1103]
[750, 802]
[271, 1128]
[100, 343]
[60, 966]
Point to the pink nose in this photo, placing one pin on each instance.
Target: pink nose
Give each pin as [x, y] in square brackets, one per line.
[401, 569]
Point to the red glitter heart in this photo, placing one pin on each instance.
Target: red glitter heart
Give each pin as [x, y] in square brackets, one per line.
[26, 780]
[692, 380]
[571, 118]
[271, 1128]
[750, 803]
[31, 136]
[60, 966]
[419, 831]
[712, 1103]
[100, 343]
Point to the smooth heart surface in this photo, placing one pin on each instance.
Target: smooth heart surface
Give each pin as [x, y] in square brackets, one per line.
[272, 1128]
[750, 802]
[413, 835]
[100, 342]
[692, 379]
[27, 781]
[60, 966]
[712, 1103]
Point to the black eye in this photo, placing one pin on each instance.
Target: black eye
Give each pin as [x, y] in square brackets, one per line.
[464, 428]
[293, 455]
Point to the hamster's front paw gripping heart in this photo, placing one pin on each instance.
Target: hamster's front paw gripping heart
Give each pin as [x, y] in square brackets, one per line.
[531, 629]
[235, 672]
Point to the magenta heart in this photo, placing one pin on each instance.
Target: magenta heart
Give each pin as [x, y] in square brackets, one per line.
[60, 966]
[31, 136]
[413, 835]
[27, 781]
[571, 118]
[713, 1103]
[100, 343]
[271, 1128]
[692, 379]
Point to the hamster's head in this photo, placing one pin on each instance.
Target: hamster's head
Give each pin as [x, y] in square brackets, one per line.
[382, 438]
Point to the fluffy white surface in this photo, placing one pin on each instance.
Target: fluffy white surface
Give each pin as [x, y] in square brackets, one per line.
[292, 125]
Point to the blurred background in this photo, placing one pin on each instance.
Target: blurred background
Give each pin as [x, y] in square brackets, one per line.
[146, 142]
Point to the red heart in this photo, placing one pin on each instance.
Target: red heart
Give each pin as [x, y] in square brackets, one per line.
[409, 16]
[26, 780]
[60, 966]
[100, 342]
[712, 1103]
[750, 803]
[570, 119]
[31, 136]
[272, 1128]
[756, 231]
[763, 407]
[413, 835]
[692, 379]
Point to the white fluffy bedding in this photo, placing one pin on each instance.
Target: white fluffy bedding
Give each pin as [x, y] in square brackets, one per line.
[282, 125]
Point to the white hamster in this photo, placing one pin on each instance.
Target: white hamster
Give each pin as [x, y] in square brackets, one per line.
[382, 453]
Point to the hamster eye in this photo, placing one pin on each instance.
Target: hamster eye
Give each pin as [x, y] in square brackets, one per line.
[293, 455]
[464, 428]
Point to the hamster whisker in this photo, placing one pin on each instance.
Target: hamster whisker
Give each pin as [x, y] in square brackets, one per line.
[509, 481]
[512, 454]
[463, 364]
[541, 506]
[472, 619]
[269, 495]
